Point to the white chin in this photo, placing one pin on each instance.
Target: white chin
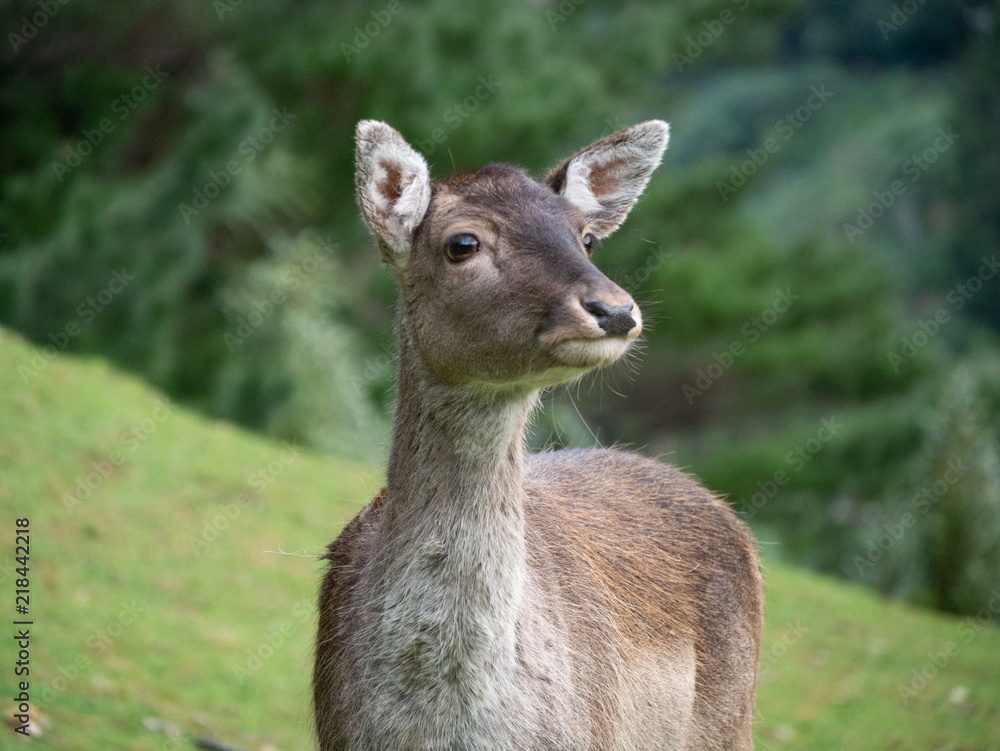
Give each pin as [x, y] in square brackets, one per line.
[590, 353]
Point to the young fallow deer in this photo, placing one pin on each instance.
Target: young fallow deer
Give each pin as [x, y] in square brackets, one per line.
[488, 600]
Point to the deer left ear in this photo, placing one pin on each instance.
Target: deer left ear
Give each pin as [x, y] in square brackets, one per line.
[605, 179]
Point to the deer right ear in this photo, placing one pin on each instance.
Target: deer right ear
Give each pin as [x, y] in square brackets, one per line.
[394, 188]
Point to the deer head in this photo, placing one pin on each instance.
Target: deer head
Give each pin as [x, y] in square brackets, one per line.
[497, 286]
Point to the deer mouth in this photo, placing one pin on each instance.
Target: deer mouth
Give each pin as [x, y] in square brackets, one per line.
[588, 340]
[590, 351]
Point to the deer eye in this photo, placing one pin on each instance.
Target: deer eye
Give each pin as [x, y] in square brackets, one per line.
[461, 247]
[589, 241]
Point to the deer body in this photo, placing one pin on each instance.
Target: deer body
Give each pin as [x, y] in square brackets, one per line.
[487, 600]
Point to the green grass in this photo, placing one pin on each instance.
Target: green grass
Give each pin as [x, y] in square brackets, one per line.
[182, 589]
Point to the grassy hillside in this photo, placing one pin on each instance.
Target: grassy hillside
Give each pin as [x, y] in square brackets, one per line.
[173, 571]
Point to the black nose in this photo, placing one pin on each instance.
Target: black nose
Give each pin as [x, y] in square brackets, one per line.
[616, 320]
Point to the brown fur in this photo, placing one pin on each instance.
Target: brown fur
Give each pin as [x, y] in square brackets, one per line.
[490, 600]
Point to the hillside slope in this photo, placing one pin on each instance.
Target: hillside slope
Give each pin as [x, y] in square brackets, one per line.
[173, 571]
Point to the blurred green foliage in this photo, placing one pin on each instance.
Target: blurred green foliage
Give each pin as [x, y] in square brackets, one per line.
[176, 194]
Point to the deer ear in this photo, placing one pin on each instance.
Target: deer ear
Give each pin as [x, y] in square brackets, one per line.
[605, 179]
[393, 187]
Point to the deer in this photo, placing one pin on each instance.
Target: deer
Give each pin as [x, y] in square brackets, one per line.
[487, 599]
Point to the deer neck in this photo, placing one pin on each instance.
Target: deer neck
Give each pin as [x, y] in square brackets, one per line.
[451, 551]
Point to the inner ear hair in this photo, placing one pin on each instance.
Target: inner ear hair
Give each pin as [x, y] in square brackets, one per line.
[605, 179]
[393, 188]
